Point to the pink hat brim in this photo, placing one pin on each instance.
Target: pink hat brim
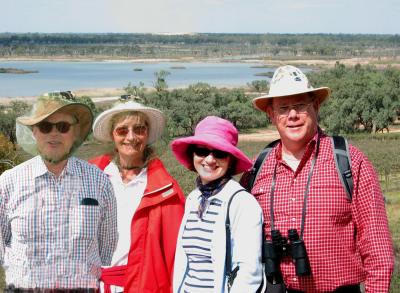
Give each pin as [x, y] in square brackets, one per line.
[180, 147]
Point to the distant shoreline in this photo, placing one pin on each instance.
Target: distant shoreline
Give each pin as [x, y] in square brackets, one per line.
[98, 95]
[324, 63]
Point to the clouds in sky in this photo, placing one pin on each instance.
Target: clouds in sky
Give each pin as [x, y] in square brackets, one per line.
[240, 16]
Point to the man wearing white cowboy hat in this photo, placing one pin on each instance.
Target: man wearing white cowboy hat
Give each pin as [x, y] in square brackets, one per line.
[57, 213]
[341, 239]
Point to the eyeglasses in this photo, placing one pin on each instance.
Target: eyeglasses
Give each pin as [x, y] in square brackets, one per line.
[137, 130]
[204, 152]
[299, 108]
[46, 126]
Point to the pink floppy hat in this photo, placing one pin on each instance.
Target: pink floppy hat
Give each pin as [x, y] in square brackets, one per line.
[215, 133]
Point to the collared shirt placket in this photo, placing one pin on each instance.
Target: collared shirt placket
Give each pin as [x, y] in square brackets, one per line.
[52, 237]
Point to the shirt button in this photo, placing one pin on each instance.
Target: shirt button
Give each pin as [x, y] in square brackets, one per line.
[295, 279]
[261, 189]
[293, 219]
[293, 199]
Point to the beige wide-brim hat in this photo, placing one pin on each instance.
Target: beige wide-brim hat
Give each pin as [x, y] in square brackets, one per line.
[49, 104]
[45, 106]
[156, 118]
[289, 81]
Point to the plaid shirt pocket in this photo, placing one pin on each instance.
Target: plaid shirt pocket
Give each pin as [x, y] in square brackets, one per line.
[85, 221]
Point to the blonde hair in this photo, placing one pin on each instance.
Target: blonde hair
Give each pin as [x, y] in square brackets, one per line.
[149, 152]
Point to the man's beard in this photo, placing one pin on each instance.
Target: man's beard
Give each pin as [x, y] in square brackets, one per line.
[55, 159]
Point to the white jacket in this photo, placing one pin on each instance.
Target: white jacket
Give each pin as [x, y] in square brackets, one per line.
[246, 235]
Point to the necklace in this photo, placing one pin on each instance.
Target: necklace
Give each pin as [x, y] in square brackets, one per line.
[130, 167]
[127, 166]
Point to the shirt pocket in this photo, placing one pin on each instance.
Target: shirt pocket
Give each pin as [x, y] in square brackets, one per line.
[84, 221]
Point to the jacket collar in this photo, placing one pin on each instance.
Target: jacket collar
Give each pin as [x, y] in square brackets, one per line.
[160, 186]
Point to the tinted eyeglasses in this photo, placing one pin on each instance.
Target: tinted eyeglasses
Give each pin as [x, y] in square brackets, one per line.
[204, 152]
[137, 130]
[299, 108]
[46, 126]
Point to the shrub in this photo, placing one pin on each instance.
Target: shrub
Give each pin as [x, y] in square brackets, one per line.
[8, 155]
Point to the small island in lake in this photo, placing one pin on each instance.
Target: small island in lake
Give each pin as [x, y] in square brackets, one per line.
[267, 74]
[16, 71]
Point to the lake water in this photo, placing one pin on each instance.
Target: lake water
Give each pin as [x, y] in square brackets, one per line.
[60, 75]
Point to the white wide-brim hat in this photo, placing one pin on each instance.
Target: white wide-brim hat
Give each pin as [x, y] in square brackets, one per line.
[289, 81]
[156, 118]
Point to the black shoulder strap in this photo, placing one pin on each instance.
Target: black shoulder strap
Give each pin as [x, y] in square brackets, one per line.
[343, 163]
[253, 174]
[228, 258]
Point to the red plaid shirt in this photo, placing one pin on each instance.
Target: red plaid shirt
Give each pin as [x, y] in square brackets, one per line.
[347, 242]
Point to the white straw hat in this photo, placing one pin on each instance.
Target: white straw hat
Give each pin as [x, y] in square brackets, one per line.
[289, 81]
[102, 124]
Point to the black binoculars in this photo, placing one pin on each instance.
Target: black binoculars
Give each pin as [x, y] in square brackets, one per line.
[279, 247]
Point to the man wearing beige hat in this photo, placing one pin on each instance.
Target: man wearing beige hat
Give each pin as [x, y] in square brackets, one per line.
[320, 236]
[57, 212]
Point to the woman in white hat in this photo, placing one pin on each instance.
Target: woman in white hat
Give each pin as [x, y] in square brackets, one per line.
[209, 256]
[150, 202]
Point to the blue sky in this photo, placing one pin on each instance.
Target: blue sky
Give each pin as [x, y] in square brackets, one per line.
[182, 16]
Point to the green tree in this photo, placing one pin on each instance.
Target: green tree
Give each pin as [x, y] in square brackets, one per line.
[89, 102]
[259, 85]
[8, 117]
[363, 98]
[160, 83]
[135, 90]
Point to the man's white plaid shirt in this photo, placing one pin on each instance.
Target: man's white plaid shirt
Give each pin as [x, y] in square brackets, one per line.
[56, 232]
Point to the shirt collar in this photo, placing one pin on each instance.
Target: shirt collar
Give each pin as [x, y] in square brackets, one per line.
[72, 167]
[111, 170]
[39, 167]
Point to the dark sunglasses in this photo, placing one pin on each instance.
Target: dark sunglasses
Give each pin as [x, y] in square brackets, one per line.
[46, 126]
[137, 130]
[204, 152]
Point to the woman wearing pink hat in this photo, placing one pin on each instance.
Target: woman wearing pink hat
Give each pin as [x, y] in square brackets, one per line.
[205, 247]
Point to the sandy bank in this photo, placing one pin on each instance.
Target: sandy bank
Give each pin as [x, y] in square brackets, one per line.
[377, 61]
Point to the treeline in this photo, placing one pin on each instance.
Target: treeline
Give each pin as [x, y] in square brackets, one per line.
[197, 45]
[363, 99]
[184, 108]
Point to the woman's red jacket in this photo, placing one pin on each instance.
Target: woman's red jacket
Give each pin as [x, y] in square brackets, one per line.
[154, 231]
